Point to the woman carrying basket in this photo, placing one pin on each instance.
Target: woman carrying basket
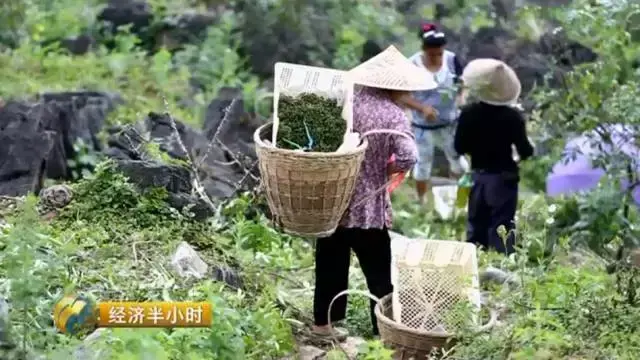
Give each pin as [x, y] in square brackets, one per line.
[487, 131]
[364, 227]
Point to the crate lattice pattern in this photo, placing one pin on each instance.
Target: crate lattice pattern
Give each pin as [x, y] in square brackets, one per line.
[431, 294]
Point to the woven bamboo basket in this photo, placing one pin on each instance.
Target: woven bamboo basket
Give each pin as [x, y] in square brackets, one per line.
[408, 342]
[308, 192]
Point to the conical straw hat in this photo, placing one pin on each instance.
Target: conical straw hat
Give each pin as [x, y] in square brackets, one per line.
[492, 81]
[392, 70]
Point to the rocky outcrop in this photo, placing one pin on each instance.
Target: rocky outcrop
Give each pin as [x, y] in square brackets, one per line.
[176, 179]
[23, 164]
[300, 32]
[309, 36]
[552, 54]
[117, 13]
[173, 32]
[5, 342]
[37, 138]
[158, 151]
[223, 155]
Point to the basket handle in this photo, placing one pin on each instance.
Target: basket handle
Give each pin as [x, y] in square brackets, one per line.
[493, 313]
[493, 320]
[375, 193]
[340, 294]
[347, 292]
[389, 132]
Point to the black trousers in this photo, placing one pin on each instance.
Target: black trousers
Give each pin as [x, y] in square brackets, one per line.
[333, 256]
[493, 202]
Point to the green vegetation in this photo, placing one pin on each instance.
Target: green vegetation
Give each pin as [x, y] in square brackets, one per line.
[310, 121]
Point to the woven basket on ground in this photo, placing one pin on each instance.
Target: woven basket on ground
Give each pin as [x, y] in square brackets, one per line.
[308, 192]
[406, 341]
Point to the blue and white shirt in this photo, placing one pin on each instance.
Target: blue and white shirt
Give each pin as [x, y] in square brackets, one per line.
[441, 98]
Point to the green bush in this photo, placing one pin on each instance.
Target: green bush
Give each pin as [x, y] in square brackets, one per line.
[312, 122]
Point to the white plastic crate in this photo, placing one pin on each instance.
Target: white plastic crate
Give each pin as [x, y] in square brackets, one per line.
[431, 278]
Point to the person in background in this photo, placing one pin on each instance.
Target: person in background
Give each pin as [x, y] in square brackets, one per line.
[487, 130]
[364, 227]
[435, 111]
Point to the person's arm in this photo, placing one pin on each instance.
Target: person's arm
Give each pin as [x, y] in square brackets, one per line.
[405, 149]
[521, 140]
[408, 100]
[458, 69]
[461, 138]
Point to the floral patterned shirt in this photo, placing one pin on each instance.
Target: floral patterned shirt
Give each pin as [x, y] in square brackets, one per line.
[373, 109]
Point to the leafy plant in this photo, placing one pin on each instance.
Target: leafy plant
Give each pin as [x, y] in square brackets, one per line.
[310, 122]
[597, 101]
[85, 161]
[374, 350]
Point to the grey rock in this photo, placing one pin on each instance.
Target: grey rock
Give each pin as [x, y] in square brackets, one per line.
[228, 276]
[56, 196]
[118, 13]
[222, 155]
[193, 204]
[582, 257]
[497, 276]
[89, 350]
[160, 128]
[352, 346]
[174, 31]
[308, 352]
[40, 136]
[23, 163]
[186, 262]
[149, 174]
[79, 45]
[176, 179]
[5, 323]
[281, 39]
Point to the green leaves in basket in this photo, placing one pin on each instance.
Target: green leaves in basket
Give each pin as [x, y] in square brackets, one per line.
[312, 120]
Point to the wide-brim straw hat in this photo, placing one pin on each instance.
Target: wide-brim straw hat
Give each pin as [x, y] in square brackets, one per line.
[492, 81]
[392, 70]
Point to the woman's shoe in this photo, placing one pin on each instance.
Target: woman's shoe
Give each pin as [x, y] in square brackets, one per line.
[335, 332]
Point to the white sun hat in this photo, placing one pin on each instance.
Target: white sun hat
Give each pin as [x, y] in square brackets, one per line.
[492, 81]
[392, 70]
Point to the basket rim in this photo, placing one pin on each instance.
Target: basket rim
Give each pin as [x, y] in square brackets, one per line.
[393, 324]
[313, 154]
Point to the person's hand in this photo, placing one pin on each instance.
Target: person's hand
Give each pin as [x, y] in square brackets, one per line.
[394, 174]
[514, 154]
[429, 112]
[392, 169]
[461, 96]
